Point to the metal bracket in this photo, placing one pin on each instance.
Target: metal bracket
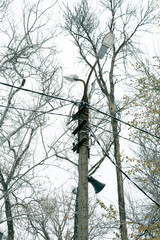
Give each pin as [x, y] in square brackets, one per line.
[80, 126]
[77, 114]
[78, 145]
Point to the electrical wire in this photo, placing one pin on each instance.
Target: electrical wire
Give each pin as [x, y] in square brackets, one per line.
[34, 166]
[122, 170]
[119, 120]
[127, 139]
[40, 93]
[78, 103]
[70, 116]
[36, 111]
[99, 111]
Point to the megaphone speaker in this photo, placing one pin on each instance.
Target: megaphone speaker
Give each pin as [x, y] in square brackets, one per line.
[98, 186]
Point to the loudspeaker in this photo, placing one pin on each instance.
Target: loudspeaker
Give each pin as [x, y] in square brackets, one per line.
[98, 186]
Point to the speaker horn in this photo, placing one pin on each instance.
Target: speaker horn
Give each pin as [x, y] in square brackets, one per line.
[98, 186]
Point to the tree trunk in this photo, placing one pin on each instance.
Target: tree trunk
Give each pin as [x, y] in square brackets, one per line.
[114, 123]
[121, 202]
[8, 210]
[9, 218]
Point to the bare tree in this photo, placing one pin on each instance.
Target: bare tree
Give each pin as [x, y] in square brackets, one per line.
[126, 21]
[50, 216]
[4, 5]
[27, 59]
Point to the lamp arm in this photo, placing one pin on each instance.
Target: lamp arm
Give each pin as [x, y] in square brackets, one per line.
[85, 97]
[80, 80]
[92, 69]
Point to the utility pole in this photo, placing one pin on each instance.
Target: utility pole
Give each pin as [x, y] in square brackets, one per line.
[83, 179]
[82, 147]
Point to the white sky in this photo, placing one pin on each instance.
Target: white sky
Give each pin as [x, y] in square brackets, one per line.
[106, 173]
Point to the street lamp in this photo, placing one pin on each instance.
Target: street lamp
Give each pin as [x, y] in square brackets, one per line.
[107, 42]
[83, 149]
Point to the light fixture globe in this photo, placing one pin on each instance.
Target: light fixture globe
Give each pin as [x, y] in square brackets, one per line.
[71, 77]
[108, 40]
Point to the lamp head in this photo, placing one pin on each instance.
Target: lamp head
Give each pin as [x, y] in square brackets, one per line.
[108, 40]
[71, 77]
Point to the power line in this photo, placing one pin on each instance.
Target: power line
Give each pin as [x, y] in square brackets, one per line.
[119, 120]
[36, 111]
[34, 166]
[93, 108]
[40, 93]
[123, 171]
[127, 139]
[77, 103]
[65, 115]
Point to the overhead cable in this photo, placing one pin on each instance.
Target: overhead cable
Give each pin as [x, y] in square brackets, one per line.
[107, 155]
[65, 115]
[78, 103]
[40, 93]
[125, 138]
[36, 111]
[119, 120]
